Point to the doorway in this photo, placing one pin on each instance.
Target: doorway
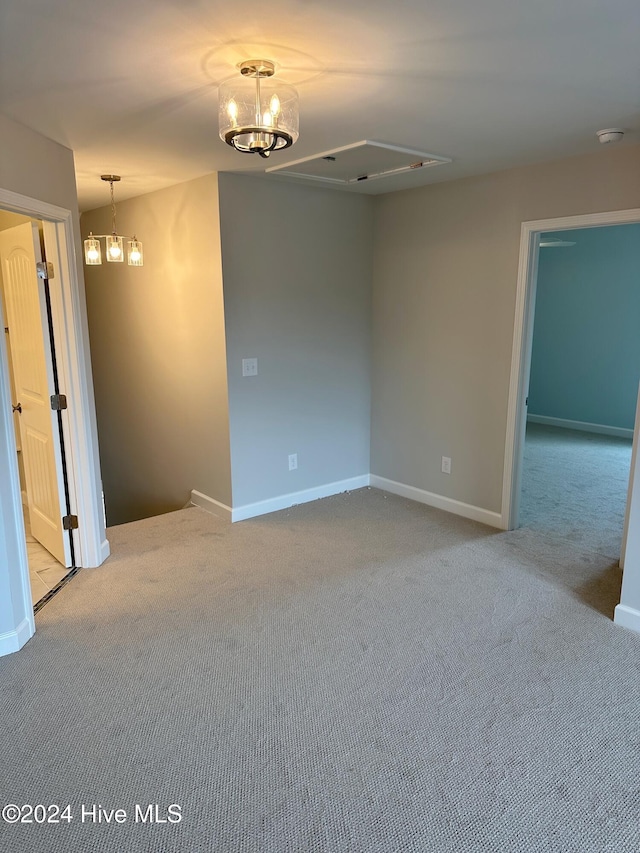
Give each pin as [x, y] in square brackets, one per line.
[68, 318]
[583, 383]
[38, 427]
[522, 347]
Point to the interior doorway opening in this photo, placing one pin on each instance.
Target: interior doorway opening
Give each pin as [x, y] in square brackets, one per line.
[68, 317]
[34, 383]
[522, 349]
[582, 386]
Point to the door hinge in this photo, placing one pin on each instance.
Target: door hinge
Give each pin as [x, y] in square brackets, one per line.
[58, 402]
[70, 522]
[45, 270]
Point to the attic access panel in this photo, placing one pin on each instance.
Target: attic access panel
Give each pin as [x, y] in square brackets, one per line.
[360, 161]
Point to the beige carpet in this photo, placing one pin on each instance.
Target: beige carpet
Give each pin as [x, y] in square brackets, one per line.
[574, 484]
[360, 674]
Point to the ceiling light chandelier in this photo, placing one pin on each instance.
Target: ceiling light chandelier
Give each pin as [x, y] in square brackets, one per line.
[114, 241]
[258, 117]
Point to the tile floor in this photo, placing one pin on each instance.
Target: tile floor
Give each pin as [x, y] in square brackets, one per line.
[44, 570]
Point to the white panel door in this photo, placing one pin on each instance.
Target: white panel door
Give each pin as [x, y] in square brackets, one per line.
[33, 373]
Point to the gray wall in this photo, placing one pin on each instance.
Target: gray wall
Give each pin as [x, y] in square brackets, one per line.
[35, 166]
[297, 290]
[445, 271]
[585, 361]
[158, 351]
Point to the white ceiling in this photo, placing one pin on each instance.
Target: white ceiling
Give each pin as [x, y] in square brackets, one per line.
[132, 87]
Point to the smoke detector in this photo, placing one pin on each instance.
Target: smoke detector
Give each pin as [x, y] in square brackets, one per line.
[611, 134]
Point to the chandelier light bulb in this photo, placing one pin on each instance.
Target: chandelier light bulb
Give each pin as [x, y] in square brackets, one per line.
[114, 249]
[275, 105]
[92, 253]
[134, 253]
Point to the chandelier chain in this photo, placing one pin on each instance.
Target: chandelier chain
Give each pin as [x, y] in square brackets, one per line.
[113, 210]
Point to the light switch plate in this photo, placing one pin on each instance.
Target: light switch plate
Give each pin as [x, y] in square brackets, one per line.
[249, 366]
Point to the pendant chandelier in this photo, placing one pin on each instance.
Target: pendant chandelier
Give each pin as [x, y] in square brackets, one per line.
[258, 114]
[114, 249]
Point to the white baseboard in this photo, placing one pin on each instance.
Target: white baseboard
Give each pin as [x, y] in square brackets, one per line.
[602, 429]
[211, 505]
[92, 557]
[241, 513]
[285, 501]
[476, 513]
[105, 551]
[627, 617]
[12, 641]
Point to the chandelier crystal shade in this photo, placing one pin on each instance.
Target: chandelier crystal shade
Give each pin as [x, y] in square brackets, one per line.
[114, 242]
[257, 113]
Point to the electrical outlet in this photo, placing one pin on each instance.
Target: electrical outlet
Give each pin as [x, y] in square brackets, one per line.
[446, 464]
[249, 366]
[293, 461]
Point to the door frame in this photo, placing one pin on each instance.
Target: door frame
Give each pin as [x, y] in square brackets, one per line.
[69, 319]
[522, 343]
[30, 300]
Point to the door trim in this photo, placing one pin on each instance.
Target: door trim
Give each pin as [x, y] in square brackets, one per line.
[522, 343]
[29, 314]
[80, 433]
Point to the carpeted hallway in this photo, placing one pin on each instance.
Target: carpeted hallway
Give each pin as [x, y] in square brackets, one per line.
[361, 674]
